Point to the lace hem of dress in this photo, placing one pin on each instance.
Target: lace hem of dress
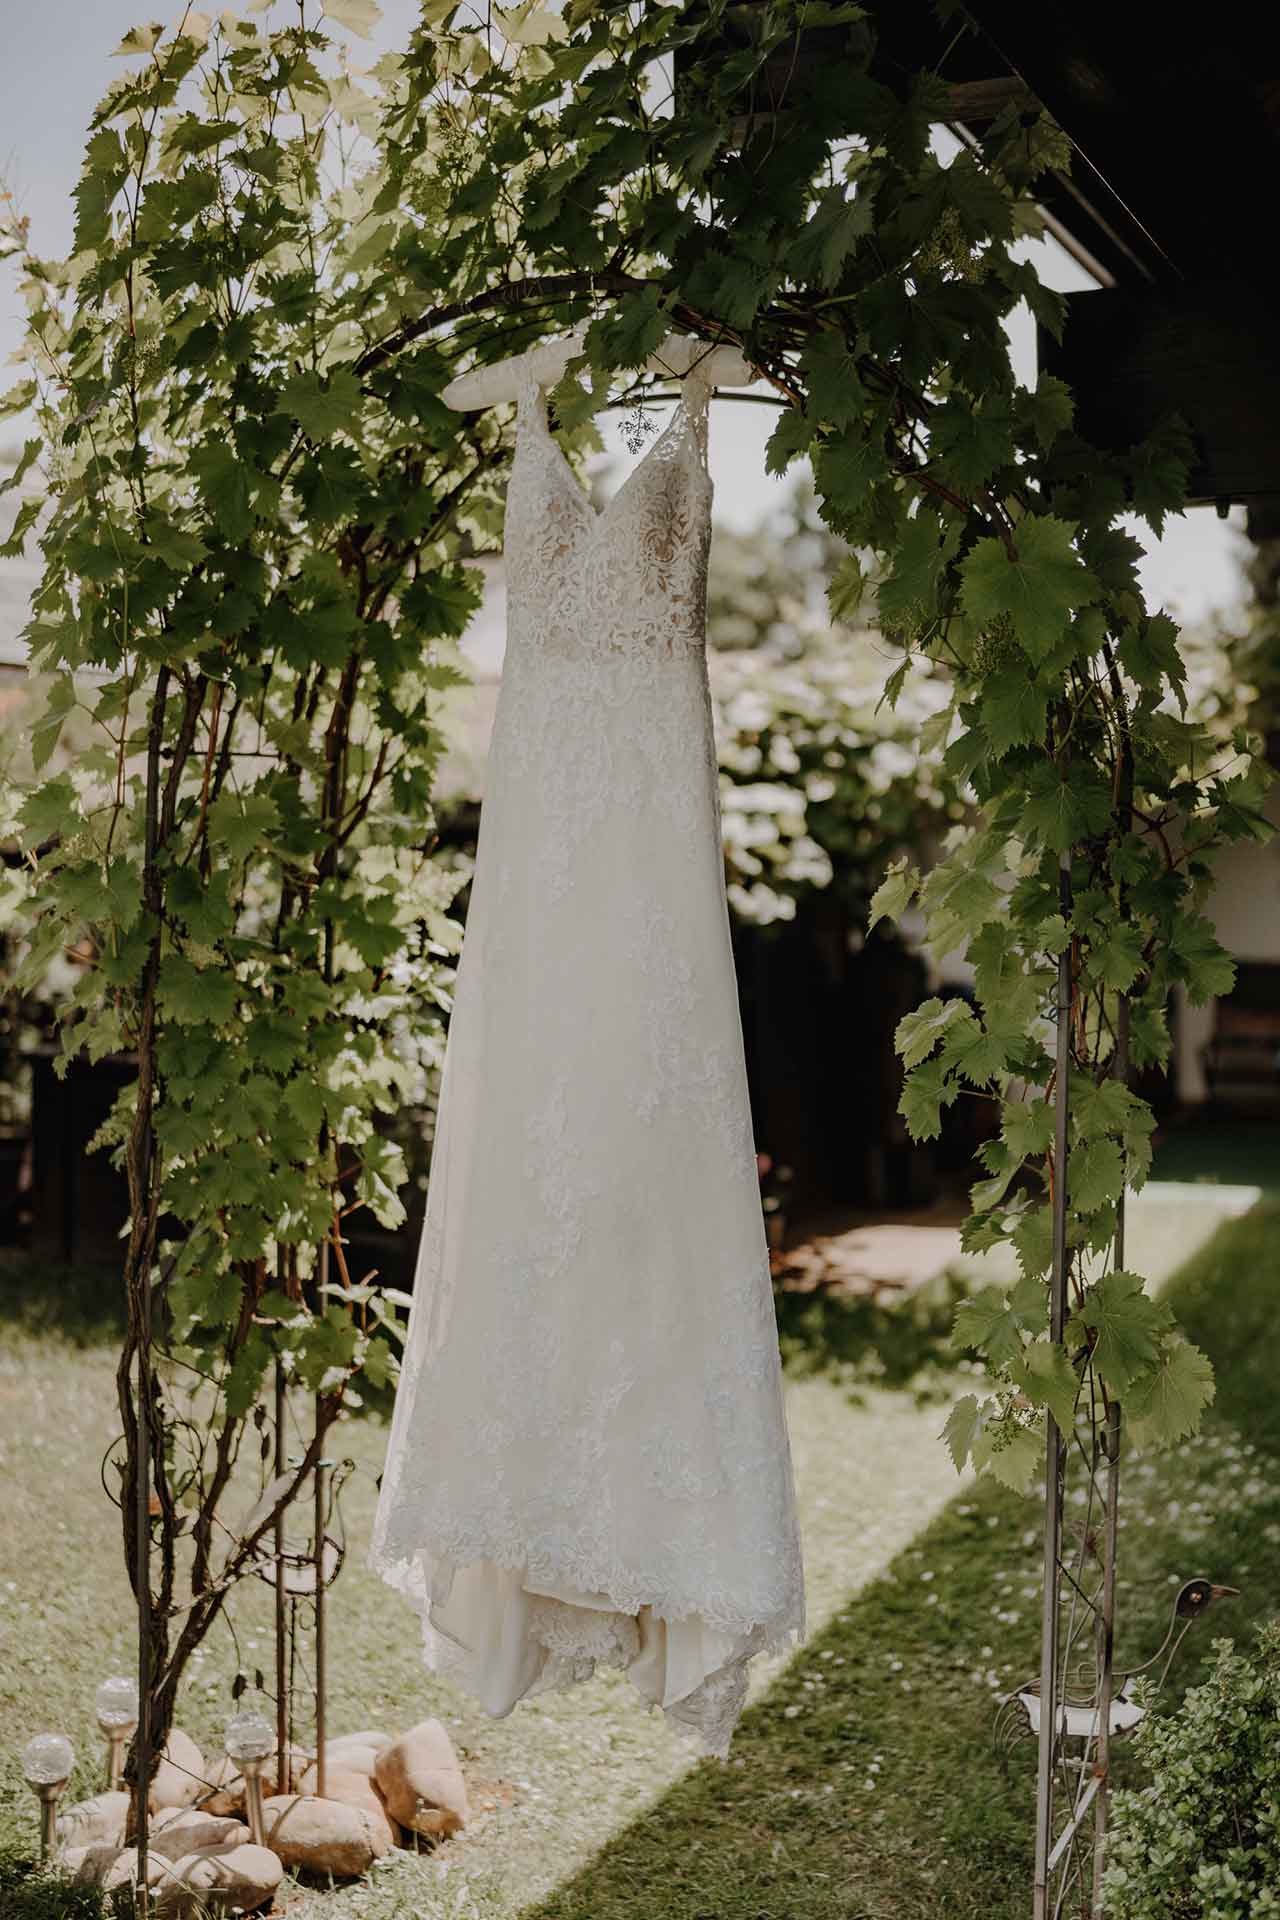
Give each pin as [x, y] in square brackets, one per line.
[578, 1643]
[776, 1604]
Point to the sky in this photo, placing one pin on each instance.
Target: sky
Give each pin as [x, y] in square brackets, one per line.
[59, 64]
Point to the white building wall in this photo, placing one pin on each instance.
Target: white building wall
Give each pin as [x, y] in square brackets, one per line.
[1245, 910]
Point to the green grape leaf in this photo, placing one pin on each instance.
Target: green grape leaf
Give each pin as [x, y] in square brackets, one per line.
[193, 995]
[1012, 709]
[1045, 1374]
[443, 601]
[984, 206]
[925, 1092]
[13, 546]
[1109, 1107]
[967, 442]
[845, 588]
[918, 1033]
[1061, 812]
[1159, 469]
[1038, 589]
[974, 1051]
[224, 483]
[732, 286]
[1117, 957]
[1028, 1127]
[60, 700]
[820, 249]
[1127, 1328]
[174, 545]
[1197, 956]
[1049, 410]
[845, 470]
[1164, 1405]
[1149, 654]
[964, 1424]
[922, 553]
[993, 1322]
[791, 438]
[241, 823]
[835, 395]
[25, 461]
[50, 809]
[139, 40]
[895, 893]
[959, 898]
[627, 333]
[322, 404]
[1016, 1463]
[1095, 1174]
[1033, 1242]
[358, 16]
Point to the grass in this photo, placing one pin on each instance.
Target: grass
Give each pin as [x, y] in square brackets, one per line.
[862, 1784]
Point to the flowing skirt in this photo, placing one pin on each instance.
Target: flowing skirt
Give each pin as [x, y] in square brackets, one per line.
[589, 1458]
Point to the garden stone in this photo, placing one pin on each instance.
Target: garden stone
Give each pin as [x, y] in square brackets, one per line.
[88, 1866]
[96, 1822]
[322, 1836]
[182, 1830]
[225, 1794]
[366, 1738]
[123, 1871]
[339, 1755]
[422, 1782]
[358, 1790]
[179, 1779]
[234, 1879]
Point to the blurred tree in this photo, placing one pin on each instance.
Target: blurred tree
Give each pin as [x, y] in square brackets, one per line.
[823, 783]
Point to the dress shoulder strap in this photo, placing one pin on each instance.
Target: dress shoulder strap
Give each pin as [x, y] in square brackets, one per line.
[529, 403]
[697, 389]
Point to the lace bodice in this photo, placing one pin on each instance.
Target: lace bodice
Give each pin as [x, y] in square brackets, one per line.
[588, 581]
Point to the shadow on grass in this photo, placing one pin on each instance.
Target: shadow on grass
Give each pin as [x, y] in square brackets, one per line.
[1228, 1299]
[83, 1305]
[863, 1341]
[864, 1785]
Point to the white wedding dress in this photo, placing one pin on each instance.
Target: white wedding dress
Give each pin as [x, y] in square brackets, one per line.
[589, 1460]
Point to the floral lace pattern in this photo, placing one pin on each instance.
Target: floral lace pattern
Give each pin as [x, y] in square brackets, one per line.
[591, 1392]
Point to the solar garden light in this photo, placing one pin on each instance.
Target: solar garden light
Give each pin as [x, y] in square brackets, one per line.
[116, 1705]
[46, 1767]
[250, 1742]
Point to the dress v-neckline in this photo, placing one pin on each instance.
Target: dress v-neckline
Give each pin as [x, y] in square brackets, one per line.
[598, 515]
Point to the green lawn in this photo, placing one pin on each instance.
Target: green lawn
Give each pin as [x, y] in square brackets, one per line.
[863, 1783]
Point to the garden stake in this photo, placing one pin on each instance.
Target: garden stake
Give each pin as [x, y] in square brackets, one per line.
[282, 1678]
[1053, 1438]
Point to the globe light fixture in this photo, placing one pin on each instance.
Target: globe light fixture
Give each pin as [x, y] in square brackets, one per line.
[116, 1705]
[250, 1742]
[46, 1767]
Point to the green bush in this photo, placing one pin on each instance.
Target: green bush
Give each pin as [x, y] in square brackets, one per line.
[29, 1892]
[1202, 1841]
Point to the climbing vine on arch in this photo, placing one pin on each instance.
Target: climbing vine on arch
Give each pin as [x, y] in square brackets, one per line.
[697, 167]
[260, 515]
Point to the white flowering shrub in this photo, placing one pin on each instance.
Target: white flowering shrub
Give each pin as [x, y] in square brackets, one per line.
[1202, 1840]
[822, 784]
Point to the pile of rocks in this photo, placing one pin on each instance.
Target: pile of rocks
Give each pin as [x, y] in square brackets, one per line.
[380, 1792]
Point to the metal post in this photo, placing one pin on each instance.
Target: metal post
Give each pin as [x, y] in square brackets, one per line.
[49, 1798]
[282, 1681]
[1054, 1448]
[322, 1716]
[1107, 1598]
[252, 1772]
[142, 1523]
